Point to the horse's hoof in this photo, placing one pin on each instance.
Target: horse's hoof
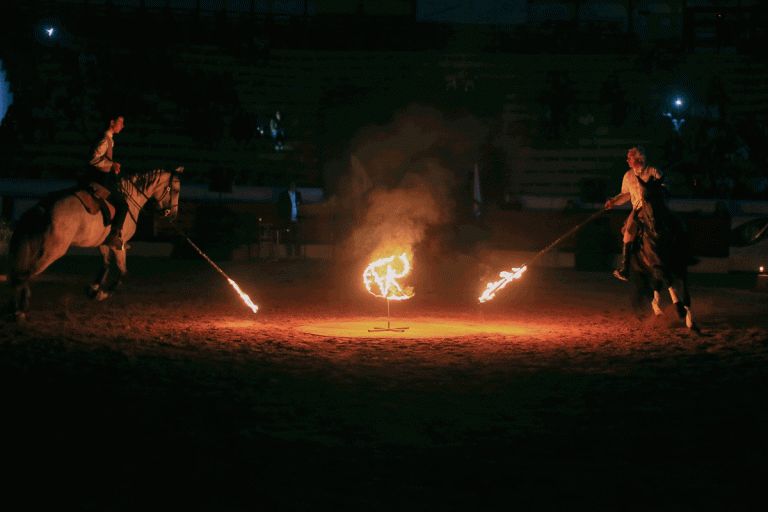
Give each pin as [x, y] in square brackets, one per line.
[101, 295]
[91, 291]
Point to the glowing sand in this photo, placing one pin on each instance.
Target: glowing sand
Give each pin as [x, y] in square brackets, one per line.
[416, 329]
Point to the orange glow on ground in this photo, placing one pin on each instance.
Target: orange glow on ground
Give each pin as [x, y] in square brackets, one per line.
[236, 324]
[417, 328]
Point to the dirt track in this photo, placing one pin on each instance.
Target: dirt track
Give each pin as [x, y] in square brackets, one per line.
[174, 388]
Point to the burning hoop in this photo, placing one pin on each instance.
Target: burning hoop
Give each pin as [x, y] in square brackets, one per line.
[384, 273]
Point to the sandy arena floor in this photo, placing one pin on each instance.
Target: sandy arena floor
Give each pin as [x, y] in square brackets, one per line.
[173, 394]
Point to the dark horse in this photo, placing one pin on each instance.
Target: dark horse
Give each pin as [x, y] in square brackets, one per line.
[45, 232]
[662, 255]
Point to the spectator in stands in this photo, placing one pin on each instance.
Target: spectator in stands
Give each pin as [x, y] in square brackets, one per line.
[288, 202]
[102, 169]
[631, 191]
[276, 130]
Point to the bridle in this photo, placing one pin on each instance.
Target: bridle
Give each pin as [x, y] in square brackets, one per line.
[174, 193]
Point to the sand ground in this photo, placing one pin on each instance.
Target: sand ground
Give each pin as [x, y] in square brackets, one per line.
[172, 393]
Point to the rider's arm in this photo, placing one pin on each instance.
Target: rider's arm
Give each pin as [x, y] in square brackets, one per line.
[624, 196]
[619, 199]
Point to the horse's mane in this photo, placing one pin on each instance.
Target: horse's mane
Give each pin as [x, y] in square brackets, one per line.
[140, 180]
[655, 195]
[662, 245]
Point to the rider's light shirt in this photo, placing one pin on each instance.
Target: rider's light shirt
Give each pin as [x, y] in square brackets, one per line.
[102, 155]
[629, 184]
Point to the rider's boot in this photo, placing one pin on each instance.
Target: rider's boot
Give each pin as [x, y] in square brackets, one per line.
[623, 272]
[115, 240]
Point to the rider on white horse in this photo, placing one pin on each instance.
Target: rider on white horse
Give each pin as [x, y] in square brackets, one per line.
[103, 170]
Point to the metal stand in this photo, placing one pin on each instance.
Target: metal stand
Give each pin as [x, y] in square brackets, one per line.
[392, 329]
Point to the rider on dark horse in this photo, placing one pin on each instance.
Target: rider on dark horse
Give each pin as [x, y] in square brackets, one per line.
[102, 169]
[631, 191]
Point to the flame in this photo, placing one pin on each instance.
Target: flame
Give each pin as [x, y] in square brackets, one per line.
[506, 277]
[384, 275]
[245, 298]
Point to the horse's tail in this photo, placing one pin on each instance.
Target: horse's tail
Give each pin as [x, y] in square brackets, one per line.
[27, 242]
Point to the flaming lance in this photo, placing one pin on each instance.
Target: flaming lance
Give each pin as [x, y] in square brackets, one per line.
[506, 277]
[240, 292]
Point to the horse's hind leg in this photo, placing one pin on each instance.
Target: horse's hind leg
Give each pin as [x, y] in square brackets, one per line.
[18, 278]
[687, 303]
[20, 299]
[30, 257]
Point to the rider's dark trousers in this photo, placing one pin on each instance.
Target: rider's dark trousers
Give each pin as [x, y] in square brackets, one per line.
[110, 181]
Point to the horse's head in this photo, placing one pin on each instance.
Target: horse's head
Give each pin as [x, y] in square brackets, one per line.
[162, 187]
[167, 195]
[654, 202]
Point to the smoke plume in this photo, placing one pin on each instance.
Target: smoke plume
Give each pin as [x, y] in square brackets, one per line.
[403, 180]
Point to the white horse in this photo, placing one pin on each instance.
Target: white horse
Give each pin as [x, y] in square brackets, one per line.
[47, 230]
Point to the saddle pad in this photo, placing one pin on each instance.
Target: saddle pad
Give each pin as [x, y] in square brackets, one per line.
[94, 206]
[88, 201]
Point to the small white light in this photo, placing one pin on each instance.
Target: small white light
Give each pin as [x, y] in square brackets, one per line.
[678, 102]
[50, 32]
[762, 269]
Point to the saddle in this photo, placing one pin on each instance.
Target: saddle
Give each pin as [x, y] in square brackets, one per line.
[94, 199]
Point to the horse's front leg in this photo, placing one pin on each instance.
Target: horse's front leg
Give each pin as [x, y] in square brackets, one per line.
[96, 290]
[679, 306]
[655, 303]
[98, 283]
[687, 303]
[683, 307]
[122, 267]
